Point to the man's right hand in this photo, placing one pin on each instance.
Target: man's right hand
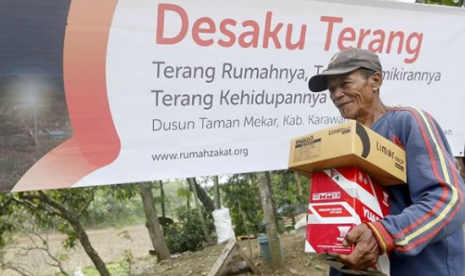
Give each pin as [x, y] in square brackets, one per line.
[366, 251]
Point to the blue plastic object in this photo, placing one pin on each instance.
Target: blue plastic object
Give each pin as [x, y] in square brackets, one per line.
[265, 248]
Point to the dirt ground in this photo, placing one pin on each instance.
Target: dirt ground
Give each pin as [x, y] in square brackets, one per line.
[111, 246]
[199, 263]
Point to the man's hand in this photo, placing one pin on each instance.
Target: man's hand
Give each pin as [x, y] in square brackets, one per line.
[366, 251]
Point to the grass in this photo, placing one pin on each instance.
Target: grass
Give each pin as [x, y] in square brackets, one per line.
[116, 269]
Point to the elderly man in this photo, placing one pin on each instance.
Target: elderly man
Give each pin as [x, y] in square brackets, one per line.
[423, 232]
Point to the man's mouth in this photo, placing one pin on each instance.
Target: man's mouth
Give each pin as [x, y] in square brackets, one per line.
[339, 105]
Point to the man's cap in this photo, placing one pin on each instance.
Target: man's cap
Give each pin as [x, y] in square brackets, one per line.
[345, 62]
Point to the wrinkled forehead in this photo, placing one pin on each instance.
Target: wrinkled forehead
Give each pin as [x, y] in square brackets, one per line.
[336, 79]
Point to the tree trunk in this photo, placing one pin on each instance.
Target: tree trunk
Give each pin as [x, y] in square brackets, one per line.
[247, 232]
[153, 224]
[202, 195]
[162, 195]
[199, 211]
[216, 187]
[87, 246]
[273, 203]
[253, 181]
[299, 185]
[270, 221]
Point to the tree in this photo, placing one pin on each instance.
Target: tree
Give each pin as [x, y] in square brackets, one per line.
[162, 199]
[153, 224]
[199, 211]
[264, 181]
[299, 184]
[186, 193]
[28, 228]
[216, 188]
[441, 2]
[202, 195]
[292, 197]
[63, 210]
[186, 233]
[67, 206]
[238, 189]
[6, 206]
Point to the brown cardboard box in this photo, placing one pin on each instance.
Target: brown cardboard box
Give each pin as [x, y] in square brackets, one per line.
[349, 144]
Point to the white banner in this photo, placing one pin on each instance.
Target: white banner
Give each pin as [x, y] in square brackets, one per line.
[201, 88]
[206, 87]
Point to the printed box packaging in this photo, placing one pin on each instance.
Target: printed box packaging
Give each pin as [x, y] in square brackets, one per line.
[349, 144]
[340, 199]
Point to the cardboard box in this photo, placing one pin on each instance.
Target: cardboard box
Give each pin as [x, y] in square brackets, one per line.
[349, 144]
[340, 199]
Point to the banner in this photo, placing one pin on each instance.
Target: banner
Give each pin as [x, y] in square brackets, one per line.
[119, 91]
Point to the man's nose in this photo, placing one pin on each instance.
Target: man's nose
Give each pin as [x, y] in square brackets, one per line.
[336, 93]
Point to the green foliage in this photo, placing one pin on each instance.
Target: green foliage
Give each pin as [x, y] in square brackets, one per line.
[184, 192]
[128, 258]
[107, 211]
[6, 229]
[116, 269]
[5, 226]
[186, 234]
[286, 195]
[71, 240]
[28, 228]
[441, 2]
[59, 209]
[238, 192]
[176, 195]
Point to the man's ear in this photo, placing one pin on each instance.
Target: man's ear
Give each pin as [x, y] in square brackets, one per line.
[376, 80]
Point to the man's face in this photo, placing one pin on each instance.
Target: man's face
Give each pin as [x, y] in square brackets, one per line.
[352, 94]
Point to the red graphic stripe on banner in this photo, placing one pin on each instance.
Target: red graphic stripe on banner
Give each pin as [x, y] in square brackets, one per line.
[85, 80]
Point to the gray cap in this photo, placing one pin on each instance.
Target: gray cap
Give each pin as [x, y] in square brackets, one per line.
[345, 62]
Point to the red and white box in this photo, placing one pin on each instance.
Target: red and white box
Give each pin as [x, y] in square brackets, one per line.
[340, 199]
